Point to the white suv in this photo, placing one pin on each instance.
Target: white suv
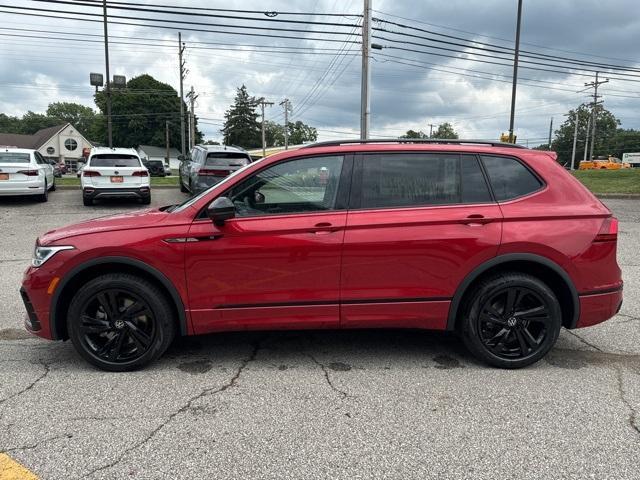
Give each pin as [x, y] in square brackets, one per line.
[114, 172]
[25, 172]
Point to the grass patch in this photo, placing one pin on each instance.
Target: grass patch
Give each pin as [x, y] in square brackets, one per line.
[610, 181]
[73, 181]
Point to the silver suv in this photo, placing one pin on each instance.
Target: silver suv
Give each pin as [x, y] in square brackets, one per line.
[207, 165]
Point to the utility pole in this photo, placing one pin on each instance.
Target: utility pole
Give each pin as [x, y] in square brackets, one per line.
[166, 137]
[183, 73]
[586, 139]
[430, 130]
[262, 102]
[106, 63]
[594, 107]
[575, 139]
[286, 104]
[516, 54]
[550, 131]
[365, 94]
[192, 117]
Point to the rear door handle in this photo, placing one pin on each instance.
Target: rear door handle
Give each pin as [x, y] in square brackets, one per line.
[476, 220]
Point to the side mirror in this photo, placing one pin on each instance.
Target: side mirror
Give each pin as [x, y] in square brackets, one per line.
[258, 197]
[221, 210]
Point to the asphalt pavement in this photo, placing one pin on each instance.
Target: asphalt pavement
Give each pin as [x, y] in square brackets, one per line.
[339, 405]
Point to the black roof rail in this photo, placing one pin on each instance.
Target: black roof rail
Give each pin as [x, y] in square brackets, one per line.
[443, 141]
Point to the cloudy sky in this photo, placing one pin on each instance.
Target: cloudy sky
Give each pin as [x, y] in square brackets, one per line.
[410, 89]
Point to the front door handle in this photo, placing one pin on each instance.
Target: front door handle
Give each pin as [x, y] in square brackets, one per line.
[322, 228]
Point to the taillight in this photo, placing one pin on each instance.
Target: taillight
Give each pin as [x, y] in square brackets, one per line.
[210, 172]
[91, 173]
[140, 173]
[608, 231]
[29, 173]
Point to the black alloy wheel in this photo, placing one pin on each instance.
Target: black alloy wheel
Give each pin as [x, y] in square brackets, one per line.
[120, 322]
[117, 326]
[512, 320]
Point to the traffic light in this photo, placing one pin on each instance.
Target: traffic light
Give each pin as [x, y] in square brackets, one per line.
[504, 137]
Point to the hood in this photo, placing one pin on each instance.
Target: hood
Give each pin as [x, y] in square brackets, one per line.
[125, 221]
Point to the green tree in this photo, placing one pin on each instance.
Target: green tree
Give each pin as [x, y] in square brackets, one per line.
[300, 133]
[31, 122]
[606, 133]
[140, 113]
[445, 130]
[274, 134]
[81, 117]
[9, 124]
[241, 126]
[415, 135]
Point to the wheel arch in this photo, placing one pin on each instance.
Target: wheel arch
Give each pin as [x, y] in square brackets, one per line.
[100, 266]
[545, 269]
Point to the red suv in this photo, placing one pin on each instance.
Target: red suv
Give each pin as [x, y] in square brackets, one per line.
[496, 242]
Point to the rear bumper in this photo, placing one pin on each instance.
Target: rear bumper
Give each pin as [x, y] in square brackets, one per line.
[597, 307]
[128, 192]
[21, 188]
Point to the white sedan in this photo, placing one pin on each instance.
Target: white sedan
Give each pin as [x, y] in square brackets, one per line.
[25, 172]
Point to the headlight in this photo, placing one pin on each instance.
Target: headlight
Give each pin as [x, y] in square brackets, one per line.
[42, 254]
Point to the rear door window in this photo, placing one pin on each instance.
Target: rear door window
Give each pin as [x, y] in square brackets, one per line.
[114, 160]
[509, 178]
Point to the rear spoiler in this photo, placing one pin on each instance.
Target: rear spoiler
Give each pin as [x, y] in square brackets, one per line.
[553, 156]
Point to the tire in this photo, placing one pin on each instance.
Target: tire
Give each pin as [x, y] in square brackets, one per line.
[146, 201]
[183, 189]
[495, 328]
[53, 187]
[44, 197]
[88, 202]
[126, 342]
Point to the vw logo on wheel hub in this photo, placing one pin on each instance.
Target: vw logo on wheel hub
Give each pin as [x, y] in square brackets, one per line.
[512, 322]
[119, 324]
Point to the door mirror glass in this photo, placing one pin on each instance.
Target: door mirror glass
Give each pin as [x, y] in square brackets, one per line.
[221, 210]
[258, 197]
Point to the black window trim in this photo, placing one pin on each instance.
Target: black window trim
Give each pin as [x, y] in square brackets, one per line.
[543, 184]
[355, 200]
[342, 196]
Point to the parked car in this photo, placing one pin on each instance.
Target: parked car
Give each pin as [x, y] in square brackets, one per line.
[207, 165]
[57, 167]
[157, 168]
[25, 172]
[113, 173]
[496, 242]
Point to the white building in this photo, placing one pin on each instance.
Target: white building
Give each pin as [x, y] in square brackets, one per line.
[151, 152]
[63, 143]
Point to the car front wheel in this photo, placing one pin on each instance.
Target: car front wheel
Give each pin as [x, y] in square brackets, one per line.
[511, 320]
[120, 322]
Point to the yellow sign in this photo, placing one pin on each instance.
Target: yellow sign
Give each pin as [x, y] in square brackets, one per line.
[504, 137]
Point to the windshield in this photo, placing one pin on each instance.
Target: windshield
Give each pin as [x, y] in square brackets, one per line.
[181, 206]
[14, 157]
[114, 160]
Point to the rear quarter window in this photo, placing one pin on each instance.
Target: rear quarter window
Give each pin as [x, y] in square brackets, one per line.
[509, 177]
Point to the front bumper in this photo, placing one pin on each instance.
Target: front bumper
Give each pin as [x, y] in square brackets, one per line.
[125, 192]
[598, 307]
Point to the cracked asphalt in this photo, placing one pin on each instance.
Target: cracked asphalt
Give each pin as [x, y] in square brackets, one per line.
[352, 404]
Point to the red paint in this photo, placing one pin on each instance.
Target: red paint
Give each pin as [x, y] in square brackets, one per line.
[395, 267]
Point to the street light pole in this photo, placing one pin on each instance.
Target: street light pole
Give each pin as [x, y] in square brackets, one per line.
[108, 86]
[575, 139]
[365, 94]
[515, 72]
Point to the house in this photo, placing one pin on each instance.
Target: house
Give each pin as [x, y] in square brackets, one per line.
[150, 152]
[62, 143]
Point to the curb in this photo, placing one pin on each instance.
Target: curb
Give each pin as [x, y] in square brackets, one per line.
[153, 187]
[618, 196]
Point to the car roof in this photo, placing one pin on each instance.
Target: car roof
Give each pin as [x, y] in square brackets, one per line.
[100, 150]
[16, 150]
[222, 148]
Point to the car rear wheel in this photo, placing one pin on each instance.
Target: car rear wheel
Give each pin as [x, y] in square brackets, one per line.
[183, 189]
[88, 202]
[53, 187]
[44, 197]
[120, 322]
[146, 201]
[511, 320]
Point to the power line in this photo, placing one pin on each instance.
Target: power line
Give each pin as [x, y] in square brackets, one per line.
[133, 7]
[168, 27]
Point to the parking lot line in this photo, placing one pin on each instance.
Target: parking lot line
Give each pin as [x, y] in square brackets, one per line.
[12, 470]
